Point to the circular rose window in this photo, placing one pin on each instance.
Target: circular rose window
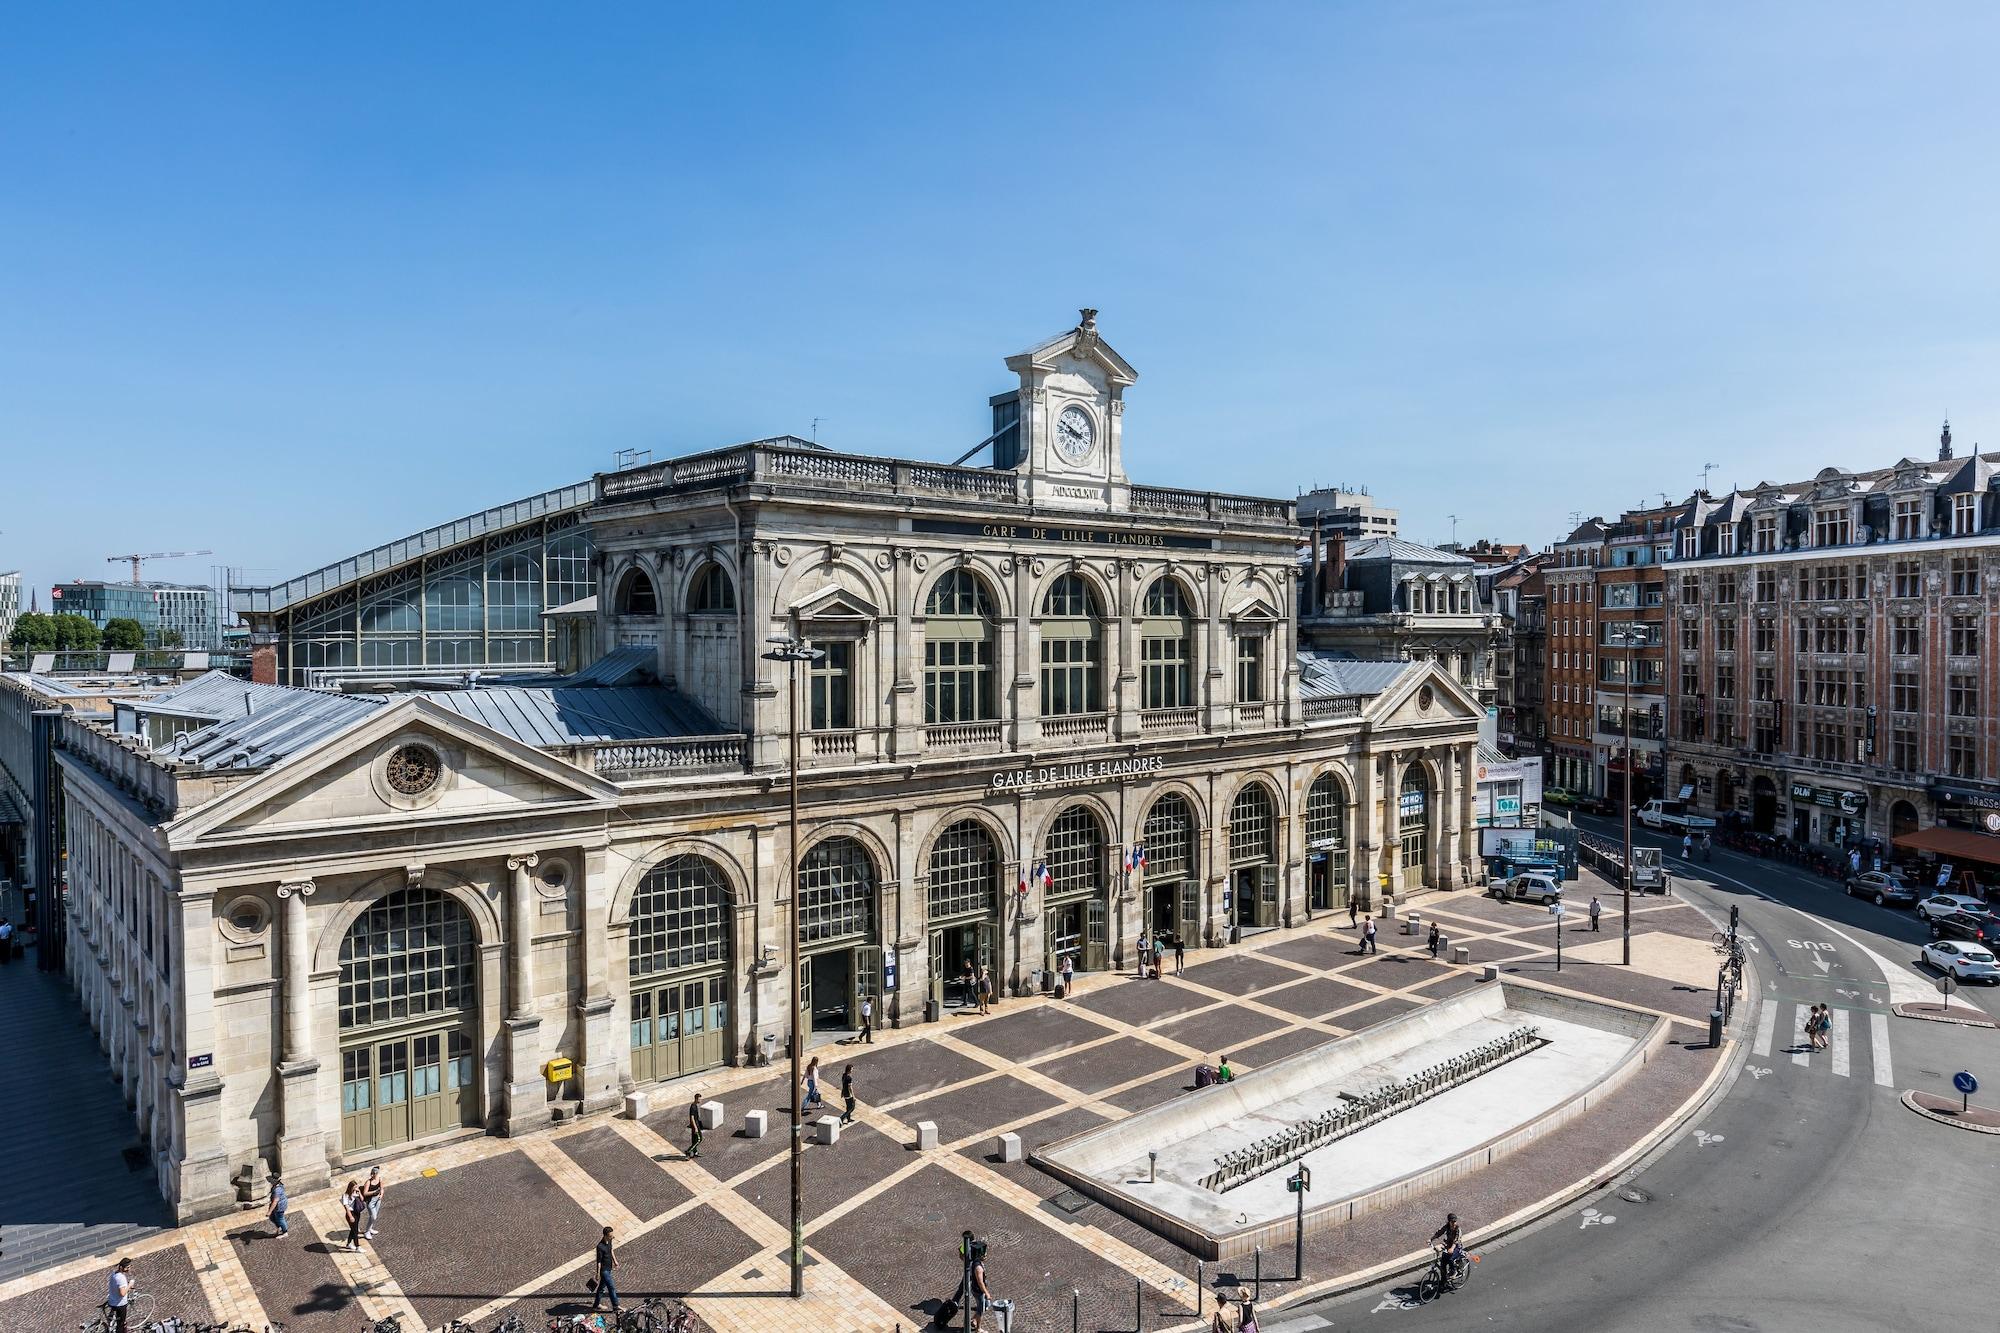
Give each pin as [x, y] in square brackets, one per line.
[414, 769]
[1424, 699]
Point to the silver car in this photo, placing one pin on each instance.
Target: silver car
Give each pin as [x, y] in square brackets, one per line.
[1938, 904]
[1533, 887]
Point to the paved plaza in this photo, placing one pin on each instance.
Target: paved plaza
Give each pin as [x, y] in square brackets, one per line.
[485, 1226]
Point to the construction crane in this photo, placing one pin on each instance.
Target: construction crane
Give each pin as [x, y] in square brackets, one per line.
[151, 555]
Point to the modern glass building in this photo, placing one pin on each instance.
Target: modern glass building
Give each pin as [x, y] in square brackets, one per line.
[465, 594]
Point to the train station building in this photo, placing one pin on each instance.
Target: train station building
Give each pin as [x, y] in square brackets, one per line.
[1053, 708]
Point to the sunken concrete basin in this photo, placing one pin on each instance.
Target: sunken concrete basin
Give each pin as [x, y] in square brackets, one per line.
[1581, 1051]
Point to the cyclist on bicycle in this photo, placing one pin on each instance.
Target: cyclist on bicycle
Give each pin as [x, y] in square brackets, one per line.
[1454, 1250]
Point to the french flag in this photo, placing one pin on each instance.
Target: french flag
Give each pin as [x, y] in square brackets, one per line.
[1042, 876]
[1135, 857]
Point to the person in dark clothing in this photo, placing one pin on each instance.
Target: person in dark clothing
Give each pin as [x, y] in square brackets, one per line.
[847, 1094]
[694, 1129]
[606, 1261]
[1180, 954]
[1353, 911]
[1434, 939]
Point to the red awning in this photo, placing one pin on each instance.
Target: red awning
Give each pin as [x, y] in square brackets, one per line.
[1955, 844]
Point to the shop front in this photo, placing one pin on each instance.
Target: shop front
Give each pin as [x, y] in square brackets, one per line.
[1833, 816]
[841, 962]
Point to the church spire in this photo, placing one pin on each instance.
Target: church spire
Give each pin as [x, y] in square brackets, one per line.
[1944, 443]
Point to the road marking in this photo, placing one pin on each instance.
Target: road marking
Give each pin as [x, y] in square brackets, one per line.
[1394, 1302]
[1702, 1138]
[1801, 1044]
[1878, 1035]
[1840, 1043]
[1756, 1071]
[1767, 1026]
[1593, 1218]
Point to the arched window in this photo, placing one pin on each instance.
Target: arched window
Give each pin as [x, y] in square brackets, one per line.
[964, 872]
[1250, 827]
[1166, 678]
[411, 954]
[1072, 649]
[712, 591]
[680, 917]
[1074, 854]
[1413, 819]
[958, 651]
[836, 892]
[636, 596]
[1326, 829]
[1169, 838]
[455, 619]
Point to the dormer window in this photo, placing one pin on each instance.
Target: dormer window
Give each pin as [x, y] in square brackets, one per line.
[1764, 532]
[1909, 522]
[1964, 514]
[1833, 527]
[1690, 543]
[1725, 539]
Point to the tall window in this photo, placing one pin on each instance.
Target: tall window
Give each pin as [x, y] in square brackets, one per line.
[680, 917]
[1908, 579]
[1725, 588]
[1909, 520]
[1964, 636]
[1169, 836]
[958, 651]
[712, 591]
[964, 872]
[1073, 851]
[455, 618]
[1072, 649]
[1413, 817]
[1725, 636]
[1905, 694]
[1250, 820]
[1965, 576]
[1764, 684]
[1250, 668]
[1903, 751]
[1960, 757]
[1764, 637]
[836, 891]
[1690, 585]
[1961, 695]
[1326, 825]
[1964, 514]
[1166, 677]
[1767, 585]
[1764, 532]
[831, 681]
[410, 954]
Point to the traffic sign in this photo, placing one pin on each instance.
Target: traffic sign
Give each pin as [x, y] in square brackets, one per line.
[1965, 1083]
[1946, 984]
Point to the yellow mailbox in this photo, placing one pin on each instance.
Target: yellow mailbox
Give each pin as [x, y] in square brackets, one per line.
[559, 1070]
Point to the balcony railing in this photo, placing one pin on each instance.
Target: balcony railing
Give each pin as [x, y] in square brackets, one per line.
[1157, 721]
[637, 759]
[827, 744]
[1323, 710]
[1253, 715]
[1076, 727]
[961, 735]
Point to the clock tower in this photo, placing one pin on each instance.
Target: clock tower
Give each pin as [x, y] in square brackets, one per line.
[1063, 428]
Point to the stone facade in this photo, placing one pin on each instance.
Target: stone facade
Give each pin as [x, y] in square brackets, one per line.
[409, 923]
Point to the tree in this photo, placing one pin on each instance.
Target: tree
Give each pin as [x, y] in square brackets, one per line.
[171, 638]
[76, 634]
[34, 632]
[124, 634]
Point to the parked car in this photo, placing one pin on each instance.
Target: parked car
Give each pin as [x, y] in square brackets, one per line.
[1967, 962]
[1975, 926]
[1940, 903]
[1881, 887]
[1558, 796]
[1534, 886]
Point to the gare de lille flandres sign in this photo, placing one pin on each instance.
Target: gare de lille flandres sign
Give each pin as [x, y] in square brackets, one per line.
[1072, 775]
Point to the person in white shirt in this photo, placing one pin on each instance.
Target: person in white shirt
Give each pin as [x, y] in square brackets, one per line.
[118, 1300]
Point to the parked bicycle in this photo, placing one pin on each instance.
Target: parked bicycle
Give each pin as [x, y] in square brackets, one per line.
[656, 1315]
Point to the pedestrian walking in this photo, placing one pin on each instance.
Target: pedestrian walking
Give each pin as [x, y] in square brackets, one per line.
[118, 1297]
[606, 1261]
[1825, 1027]
[868, 1020]
[6, 941]
[1180, 954]
[1353, 911]
[1434, 940]
[812, 1098]
[1687, 846]
[353, 1209]
[1141, 954]
[985, 991]
[1596, 911]
[280, 1201]
[1368, 936]
[1707, 846]
[967, 984]
[976, 1293]
[1854, 861]
[847, 1094]
[371, 1193]
[1812, 1028]
[1069, 974]
[694, 1129]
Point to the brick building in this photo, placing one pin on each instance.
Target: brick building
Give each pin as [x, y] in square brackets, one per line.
[1834, 667]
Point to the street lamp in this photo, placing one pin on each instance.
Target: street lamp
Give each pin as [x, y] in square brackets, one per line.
[1626, 636]
[792, 651]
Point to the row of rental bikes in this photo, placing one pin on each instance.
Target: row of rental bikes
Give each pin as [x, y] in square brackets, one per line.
[653, 1315]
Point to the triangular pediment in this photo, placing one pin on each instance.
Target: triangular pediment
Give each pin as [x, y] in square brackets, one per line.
[835, 603]
[1424, 697]
[374, 774]
[1254, 610]
[1076, 348]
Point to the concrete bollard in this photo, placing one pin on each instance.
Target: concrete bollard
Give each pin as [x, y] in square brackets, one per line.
[827, 1129]
[1489, 973]
[637, 1105]
[927, 1135]
[1413, 923]
[1461, 953]
[1009, 1146]
[711, 1114]
[756, 1124]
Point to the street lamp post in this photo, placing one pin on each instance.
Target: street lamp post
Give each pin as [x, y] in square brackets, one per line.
[1627, 636]
[792, 651]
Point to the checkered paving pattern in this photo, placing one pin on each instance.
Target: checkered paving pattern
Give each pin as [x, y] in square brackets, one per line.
[506, 1226]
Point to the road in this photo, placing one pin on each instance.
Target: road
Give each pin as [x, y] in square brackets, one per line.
[1805, 1197]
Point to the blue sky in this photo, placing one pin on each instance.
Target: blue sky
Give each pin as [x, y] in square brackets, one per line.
[286, 281]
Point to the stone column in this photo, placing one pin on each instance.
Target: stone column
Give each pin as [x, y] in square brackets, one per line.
[1122, 695]
[599, 1054]
[1468, 831]
[199, 1183]
[527, 1102]
[1367, 833]
[301, 1143]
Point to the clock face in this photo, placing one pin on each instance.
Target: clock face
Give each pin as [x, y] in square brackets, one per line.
[1076, 434]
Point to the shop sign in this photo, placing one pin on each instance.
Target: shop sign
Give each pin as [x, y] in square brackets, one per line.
[1072, 775]
[1977, 799]
[1847, 802]
[1063, 534]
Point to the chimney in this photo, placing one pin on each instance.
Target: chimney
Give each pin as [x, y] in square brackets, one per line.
[264, 664]
[1313, 593]
[1336, 562]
